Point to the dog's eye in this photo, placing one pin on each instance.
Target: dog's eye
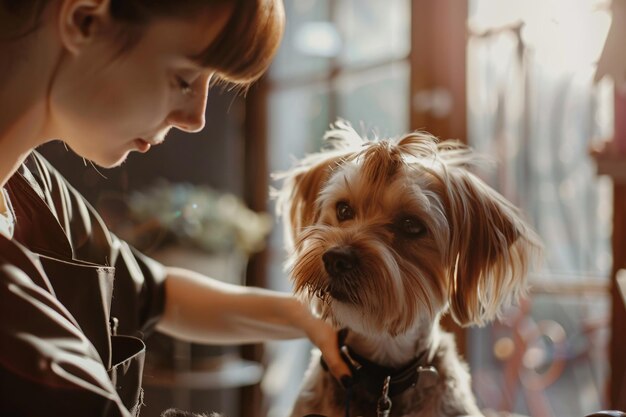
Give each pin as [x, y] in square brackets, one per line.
[412, 226]
[344, 211]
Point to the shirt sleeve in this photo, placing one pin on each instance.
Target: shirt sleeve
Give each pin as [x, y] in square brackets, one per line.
[138, 294]
[47, 365]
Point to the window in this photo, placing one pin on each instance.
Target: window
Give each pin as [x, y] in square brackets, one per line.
[532, 105]
[514, 80]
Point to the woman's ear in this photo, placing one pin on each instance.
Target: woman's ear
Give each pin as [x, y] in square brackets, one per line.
[80, 22]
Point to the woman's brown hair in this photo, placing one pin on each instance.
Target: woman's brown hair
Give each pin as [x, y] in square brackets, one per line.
[239, 55]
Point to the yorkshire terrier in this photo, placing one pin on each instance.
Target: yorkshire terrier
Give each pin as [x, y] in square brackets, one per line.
[385, 237]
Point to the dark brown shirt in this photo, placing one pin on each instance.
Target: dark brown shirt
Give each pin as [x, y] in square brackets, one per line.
[64, 278]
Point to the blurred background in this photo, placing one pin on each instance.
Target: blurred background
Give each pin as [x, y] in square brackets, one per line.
[515, 79]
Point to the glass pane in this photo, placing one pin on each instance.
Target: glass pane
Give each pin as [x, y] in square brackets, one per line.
[298, 119]
[373, 30]
[537, 113]
[376, 100]
[309, 40]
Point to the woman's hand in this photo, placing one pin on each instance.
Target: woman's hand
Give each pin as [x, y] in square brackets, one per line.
[325, 337]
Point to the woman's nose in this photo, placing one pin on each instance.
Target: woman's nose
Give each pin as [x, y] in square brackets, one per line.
[189, 116]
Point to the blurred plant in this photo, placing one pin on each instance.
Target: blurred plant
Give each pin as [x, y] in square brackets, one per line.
[196, 216]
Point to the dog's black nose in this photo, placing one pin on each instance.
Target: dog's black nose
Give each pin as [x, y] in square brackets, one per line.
[339, 260]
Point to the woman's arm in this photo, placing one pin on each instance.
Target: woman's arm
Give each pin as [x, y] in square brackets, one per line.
[204, 310]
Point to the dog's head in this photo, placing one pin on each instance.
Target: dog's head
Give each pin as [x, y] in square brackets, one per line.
[385, 233]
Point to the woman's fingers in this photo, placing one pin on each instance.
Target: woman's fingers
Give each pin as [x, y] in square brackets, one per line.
[326, 339]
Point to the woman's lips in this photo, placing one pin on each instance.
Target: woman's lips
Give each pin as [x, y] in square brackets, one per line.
[142, 145]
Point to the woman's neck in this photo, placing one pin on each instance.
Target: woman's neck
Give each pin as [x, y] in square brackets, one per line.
[17, 138]
[25, 77]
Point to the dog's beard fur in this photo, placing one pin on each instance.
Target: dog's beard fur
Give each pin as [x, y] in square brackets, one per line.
[422, 236]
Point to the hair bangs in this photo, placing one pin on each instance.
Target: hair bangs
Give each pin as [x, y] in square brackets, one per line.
[244, 49]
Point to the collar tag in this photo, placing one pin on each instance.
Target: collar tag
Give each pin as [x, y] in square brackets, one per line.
[427, 377]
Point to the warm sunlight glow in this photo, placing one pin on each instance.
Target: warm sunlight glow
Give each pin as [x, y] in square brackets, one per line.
[561, 34]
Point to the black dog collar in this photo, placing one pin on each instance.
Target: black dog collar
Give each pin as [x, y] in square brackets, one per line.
[372, 376]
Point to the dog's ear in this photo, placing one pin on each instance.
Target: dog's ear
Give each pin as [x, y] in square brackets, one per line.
[297, 199]
[491, 248]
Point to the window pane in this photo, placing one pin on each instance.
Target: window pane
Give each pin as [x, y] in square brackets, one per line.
[373, 30]
[309, 40]
[376, 99]
[298, 118]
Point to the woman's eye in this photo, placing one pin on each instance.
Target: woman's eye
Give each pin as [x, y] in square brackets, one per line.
[344, 211]
[412, 227]
[183, 85]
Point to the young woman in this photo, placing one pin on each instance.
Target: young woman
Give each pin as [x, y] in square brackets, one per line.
[109, 77]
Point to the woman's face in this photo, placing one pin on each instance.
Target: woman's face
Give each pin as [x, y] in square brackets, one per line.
[105, 106]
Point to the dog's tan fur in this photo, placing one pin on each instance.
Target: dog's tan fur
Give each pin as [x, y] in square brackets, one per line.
[429, 238]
